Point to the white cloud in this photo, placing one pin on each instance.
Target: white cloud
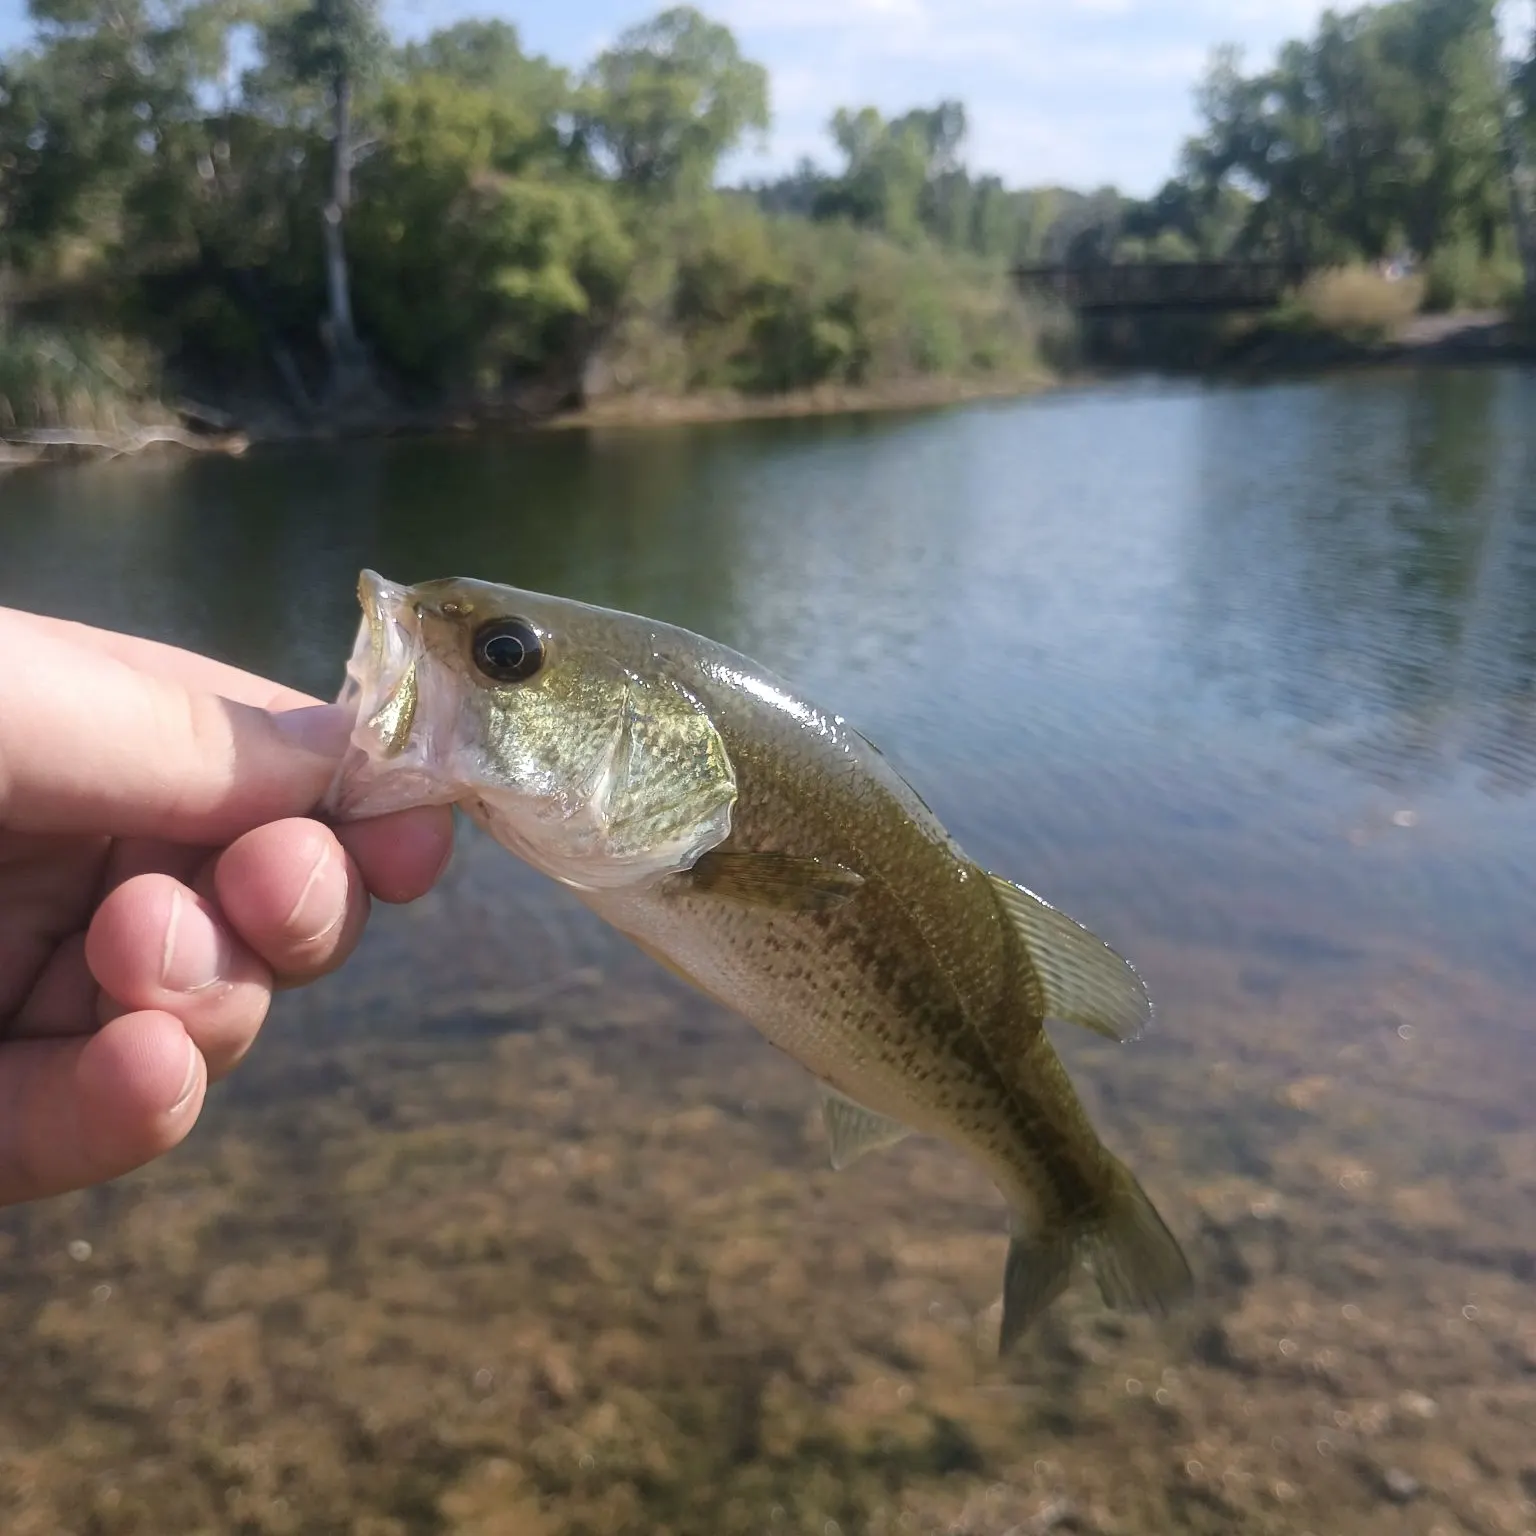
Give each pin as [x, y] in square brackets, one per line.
[1074, 91]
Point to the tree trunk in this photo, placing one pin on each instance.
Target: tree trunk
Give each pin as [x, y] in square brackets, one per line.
[343, 334]
[352, 384]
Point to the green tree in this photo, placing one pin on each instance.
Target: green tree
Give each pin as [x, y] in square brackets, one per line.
[90, 107]
[669, 99]
[472, 264]
[1381, 130]
[885, 169]
[1182, 221]
[505, 227]
[901, 176]
[488, 56]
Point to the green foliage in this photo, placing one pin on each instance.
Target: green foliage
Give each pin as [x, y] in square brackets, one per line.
[900, 176]
[467, 269]
[1380, 132]
[88, 110]
[903, 177]
[504, 224]
[670, 98]
[732, 298]
[488, 56]
[1463, 276]
[321, 41]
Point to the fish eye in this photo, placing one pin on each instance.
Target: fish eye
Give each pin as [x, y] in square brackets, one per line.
[508, 650]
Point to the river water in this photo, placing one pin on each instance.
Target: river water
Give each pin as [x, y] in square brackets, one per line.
[500, 1230]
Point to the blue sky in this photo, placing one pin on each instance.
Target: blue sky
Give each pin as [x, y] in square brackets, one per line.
[1080, 92]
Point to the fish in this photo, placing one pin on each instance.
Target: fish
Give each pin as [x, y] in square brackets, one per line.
[764, 851]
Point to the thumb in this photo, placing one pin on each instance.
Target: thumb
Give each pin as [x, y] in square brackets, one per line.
[91, 745]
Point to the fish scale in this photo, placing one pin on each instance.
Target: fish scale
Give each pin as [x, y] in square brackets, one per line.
[766, 852]
[892, 1012]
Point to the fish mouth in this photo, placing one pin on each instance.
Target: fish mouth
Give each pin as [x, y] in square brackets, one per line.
[380, 695]
[381, 674]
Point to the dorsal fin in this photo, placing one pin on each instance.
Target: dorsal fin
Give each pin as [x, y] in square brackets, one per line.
[853, 1130]
[1083, 980]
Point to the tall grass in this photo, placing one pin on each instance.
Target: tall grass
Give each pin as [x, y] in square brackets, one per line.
[58, 379]
[1356, 302]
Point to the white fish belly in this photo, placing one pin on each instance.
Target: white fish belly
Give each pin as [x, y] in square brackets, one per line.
[810, 1002]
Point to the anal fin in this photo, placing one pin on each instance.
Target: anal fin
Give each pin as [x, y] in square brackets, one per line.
[853, 1130]
[1035, 1273]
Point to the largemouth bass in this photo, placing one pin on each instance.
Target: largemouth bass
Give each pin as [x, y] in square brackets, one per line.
[763, 850]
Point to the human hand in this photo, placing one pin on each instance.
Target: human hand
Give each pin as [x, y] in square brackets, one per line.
[160, 876]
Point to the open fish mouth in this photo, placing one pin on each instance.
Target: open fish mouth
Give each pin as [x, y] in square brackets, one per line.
[384, 663]
[382, 694]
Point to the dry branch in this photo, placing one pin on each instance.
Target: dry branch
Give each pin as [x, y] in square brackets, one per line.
[50, 441]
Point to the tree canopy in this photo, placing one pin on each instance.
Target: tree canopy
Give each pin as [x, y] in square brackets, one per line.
[1382, 132]
[669, 99]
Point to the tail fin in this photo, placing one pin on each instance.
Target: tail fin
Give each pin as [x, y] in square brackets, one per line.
[1136, 1260]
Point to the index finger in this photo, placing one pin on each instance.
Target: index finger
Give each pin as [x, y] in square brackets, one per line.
[198, 674]
[94, 746]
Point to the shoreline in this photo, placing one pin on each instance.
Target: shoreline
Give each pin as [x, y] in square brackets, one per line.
[638, 410]
[1428, 341]
[645, 410]
[1465, 339]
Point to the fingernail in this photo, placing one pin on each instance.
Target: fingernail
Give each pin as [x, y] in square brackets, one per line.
[318, 908]
[324, 729]
[196, 952]
[194, 1076]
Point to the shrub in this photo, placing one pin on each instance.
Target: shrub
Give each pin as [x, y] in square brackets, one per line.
[1356, 301]
[727, 296]
[1462, 277]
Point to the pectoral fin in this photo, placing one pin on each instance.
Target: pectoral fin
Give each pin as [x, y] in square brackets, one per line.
[1084, 981]
[786, 881]
[853, 1130]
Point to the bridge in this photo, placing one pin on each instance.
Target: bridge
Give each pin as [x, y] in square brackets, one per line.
[1147, 286]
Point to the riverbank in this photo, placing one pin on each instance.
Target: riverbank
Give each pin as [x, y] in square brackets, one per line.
[1248, 348]
[1477, 336]
[634, 410]
[638, 409]
[1258, 348]
[1286, 341]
